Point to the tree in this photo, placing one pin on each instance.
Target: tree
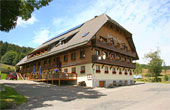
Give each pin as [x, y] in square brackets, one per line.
[155, 63]
[138, 69]
[9, 57]
[12, 9]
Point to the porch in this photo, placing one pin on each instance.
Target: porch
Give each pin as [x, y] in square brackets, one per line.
[60, 76]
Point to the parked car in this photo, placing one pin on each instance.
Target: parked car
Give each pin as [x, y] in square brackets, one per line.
[137, 76]
[12, 76]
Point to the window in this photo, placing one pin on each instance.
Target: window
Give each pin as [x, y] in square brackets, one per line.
[130, 72]
[97, 69]
[112, 56]
[106, 70]
[82, 53]
[54, 59]
[65, 58]
[85, 34]
[45, 62]
[102, 39]
[38, 63]
[112, 41]
[97, 52]
[49, 61]
[73, 56]
[126, 72]
[120, 72]
[118, 57]
[82, 69]
[113, 71]
[65, 70]
[73, 70]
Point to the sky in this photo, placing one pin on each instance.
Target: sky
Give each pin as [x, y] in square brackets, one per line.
[147, 20]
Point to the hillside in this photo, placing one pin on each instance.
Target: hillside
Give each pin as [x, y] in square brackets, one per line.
[7, 68]
[11, 54]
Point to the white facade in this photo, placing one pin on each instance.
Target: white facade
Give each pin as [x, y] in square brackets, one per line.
[92, 78]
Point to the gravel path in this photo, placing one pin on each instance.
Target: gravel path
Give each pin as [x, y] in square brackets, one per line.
[42, 96]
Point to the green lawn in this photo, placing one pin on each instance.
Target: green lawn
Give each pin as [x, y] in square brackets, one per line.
[7, 68]
[3, 75]
[10, 97]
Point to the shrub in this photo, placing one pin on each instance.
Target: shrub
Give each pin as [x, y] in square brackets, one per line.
[166, 77]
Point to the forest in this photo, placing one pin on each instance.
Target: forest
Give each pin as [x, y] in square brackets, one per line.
[11, 54]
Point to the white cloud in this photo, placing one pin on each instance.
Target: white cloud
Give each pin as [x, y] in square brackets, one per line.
[24, 23]
[41, 36]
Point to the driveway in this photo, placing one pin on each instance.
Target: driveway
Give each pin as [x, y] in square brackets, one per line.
[42, 96]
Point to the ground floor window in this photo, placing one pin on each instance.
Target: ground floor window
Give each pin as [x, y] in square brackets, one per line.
[120, 72]
[65, 70]
[73, 70]
[97, 69]
[113, 71]
[106, 70]
[82, 70]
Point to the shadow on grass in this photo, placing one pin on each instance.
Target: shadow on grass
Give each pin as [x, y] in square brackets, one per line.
[39, 93]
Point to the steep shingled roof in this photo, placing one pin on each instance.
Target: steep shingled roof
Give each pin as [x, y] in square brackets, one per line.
[91, 27]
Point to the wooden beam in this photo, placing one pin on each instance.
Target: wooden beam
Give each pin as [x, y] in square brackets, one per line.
[111, 67]
[93, 65]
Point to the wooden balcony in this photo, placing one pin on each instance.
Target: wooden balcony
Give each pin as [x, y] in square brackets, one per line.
[113, 48]
[51, 76]
[95, 59]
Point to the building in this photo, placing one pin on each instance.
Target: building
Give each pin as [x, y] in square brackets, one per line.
[99, 52]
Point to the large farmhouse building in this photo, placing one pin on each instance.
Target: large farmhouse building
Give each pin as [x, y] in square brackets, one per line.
[99, 52]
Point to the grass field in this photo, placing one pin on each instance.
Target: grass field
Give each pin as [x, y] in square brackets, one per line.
[6, 68]
[3, 75]
[10, 97]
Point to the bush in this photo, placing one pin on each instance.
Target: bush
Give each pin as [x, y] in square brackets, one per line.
[166, 77]
[148, 75]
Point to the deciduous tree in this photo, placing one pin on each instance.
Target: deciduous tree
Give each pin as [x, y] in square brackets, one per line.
[12, 9]
[155, 63]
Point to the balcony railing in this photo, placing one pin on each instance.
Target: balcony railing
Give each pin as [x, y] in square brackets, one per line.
[51, 76]
[97, 59]
[112, 48]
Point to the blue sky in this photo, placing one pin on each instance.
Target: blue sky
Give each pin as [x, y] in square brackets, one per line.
[147, 20]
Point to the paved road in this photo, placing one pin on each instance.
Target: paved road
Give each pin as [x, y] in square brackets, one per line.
[41, 96]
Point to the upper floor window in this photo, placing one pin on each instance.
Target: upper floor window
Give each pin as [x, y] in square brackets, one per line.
[49, 61]
[73, 56]
[102, 39]
[38, 63]
[73, 70]
[65, 57]
[112, 41]
[97, 69]
[54, 59]
[118, 57]
[82, 53]
[106, 70]
[82, 69]
[45, 61]
[112, 56]
[97, 52]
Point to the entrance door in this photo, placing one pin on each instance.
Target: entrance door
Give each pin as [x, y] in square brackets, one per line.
[101, 83]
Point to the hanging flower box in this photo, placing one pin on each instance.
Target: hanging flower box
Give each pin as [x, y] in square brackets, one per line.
[114, 72]
[97, 71]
